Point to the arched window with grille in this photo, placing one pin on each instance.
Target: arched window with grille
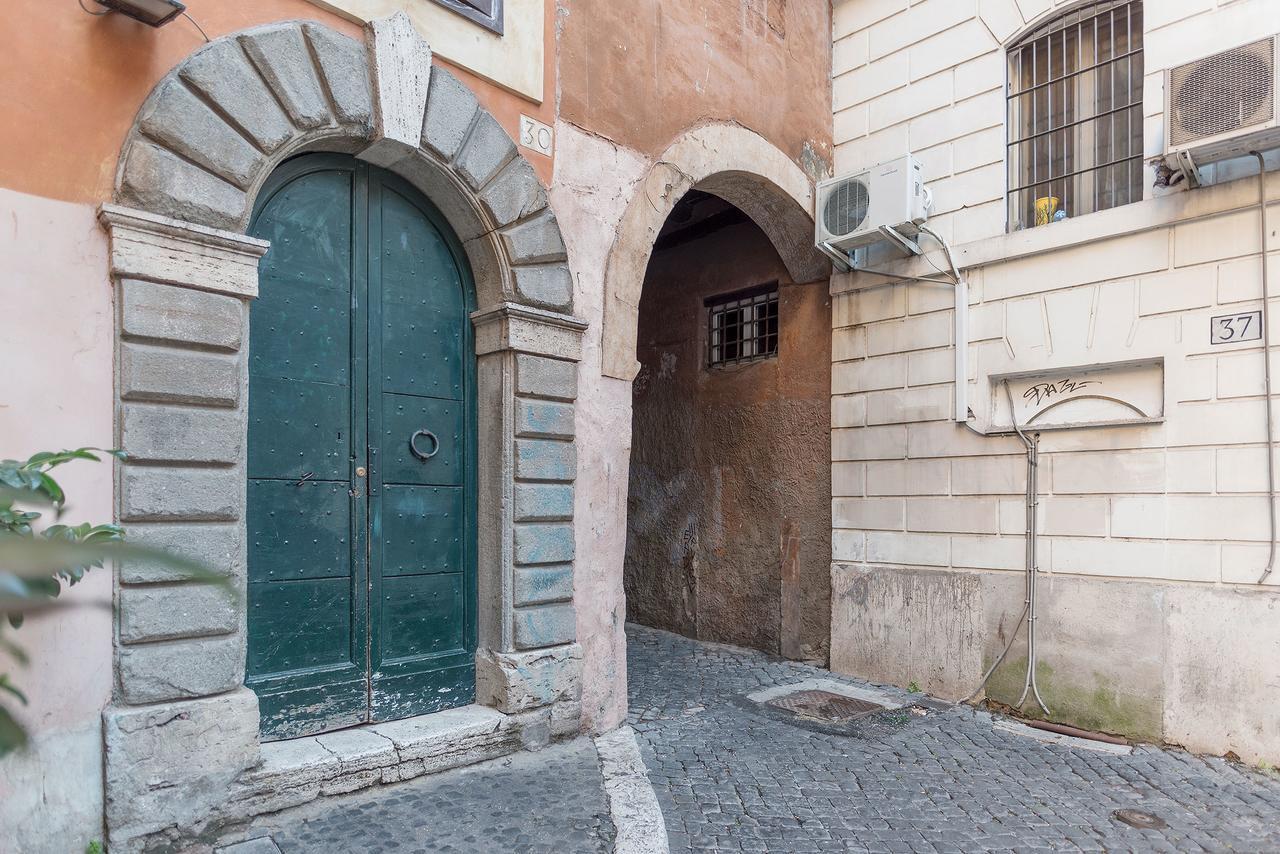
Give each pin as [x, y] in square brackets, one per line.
[1075, 114]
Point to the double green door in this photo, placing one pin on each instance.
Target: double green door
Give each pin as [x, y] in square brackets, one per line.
[361, 494]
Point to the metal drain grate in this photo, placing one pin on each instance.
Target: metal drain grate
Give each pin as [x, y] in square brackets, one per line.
[825, 706]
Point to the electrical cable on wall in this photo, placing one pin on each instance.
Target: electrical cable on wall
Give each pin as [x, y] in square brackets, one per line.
[1032, 569]
[1033, 564]
[1029, 615]
[1266, 366]
[196, 24]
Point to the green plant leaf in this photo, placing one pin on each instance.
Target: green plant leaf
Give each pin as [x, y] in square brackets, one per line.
[12, 735]
[39, 560]
[7, 686]
[15, 652]
[50, 488]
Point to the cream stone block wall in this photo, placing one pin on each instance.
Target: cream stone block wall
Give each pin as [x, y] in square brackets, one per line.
[928, 76]
[1153, 536]
[1171, 516]
[900, 465]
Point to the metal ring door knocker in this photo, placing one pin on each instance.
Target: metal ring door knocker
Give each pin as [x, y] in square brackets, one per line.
[413, 445]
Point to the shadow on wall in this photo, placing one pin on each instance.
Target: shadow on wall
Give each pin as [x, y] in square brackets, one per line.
[728, 512]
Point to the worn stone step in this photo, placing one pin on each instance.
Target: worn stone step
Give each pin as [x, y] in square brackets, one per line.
[299, 770]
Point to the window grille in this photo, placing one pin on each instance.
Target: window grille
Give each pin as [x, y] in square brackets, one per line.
[743, 326]
[1075, 114]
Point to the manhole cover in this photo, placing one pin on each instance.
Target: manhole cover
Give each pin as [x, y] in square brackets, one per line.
[1139, 819]
[825, 706]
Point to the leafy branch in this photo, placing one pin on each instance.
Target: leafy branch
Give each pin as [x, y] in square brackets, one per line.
[36, 562]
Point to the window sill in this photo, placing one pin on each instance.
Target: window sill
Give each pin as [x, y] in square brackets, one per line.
[491, 23]
[1146, 215]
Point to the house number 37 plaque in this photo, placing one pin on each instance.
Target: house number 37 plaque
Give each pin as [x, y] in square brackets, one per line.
[1231, 328]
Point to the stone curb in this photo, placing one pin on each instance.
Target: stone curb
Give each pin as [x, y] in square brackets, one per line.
[633, 805]
[1012, 727]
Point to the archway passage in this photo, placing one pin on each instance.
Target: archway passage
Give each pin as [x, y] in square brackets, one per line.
[361, 453]
[728, 523]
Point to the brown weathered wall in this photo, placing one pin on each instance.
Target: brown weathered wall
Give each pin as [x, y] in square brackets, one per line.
[729, 466]
[639, 72]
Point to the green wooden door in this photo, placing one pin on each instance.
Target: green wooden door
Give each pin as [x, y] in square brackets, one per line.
[361, 490]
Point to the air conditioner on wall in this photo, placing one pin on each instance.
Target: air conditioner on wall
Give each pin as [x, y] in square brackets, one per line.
[1223, 106]
[855, 210]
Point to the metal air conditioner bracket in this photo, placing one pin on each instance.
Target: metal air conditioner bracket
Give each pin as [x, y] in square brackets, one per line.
[1184, 163]
[906, 243]
[843, 261]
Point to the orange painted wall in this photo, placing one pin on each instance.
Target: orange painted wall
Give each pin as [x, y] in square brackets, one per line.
[641, 72]
[72, 84]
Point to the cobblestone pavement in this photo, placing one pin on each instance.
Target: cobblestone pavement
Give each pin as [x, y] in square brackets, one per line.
[548, 802]
[732, 777]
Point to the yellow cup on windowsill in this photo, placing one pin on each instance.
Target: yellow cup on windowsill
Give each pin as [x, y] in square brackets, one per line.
[1046, 207]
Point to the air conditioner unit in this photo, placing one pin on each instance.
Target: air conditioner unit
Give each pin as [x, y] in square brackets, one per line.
[852, 209]
[1224, 105]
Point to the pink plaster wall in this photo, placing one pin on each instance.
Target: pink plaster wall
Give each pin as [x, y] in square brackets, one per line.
[594, 181]
[55, 393]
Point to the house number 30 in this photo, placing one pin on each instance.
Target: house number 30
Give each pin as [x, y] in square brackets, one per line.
[536, 135]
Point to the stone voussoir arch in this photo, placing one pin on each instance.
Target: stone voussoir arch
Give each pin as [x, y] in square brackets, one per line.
[214, 128]
[182, 739]
[726, 160]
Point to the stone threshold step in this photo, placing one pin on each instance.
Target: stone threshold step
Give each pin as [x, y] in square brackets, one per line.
[299, 770]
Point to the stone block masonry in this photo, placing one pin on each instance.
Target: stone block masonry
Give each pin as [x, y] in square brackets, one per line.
[182, 427]
[928, 517]
[545, 470]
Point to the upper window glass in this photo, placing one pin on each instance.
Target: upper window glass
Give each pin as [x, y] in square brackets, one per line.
[486, 13]
[1075, 114]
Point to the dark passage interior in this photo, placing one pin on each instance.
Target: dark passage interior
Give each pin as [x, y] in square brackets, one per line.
[729, 503]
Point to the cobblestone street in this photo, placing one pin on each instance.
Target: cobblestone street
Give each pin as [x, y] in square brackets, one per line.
[730, 776]
[548, 802]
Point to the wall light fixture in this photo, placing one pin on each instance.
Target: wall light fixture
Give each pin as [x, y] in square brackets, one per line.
[155, 13]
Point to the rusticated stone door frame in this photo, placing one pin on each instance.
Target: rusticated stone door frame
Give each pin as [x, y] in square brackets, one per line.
[183, 751]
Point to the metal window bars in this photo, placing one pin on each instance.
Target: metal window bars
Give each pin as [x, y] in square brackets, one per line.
[742, 326]
[1075, 114]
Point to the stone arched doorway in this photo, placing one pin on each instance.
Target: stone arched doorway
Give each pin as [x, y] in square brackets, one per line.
[183, 745]
[728, 511]
[725, 160]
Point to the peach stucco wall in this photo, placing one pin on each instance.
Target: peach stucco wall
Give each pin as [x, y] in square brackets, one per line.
[73, 83]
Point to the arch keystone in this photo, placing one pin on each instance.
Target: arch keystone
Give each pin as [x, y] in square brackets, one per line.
[401, 62]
